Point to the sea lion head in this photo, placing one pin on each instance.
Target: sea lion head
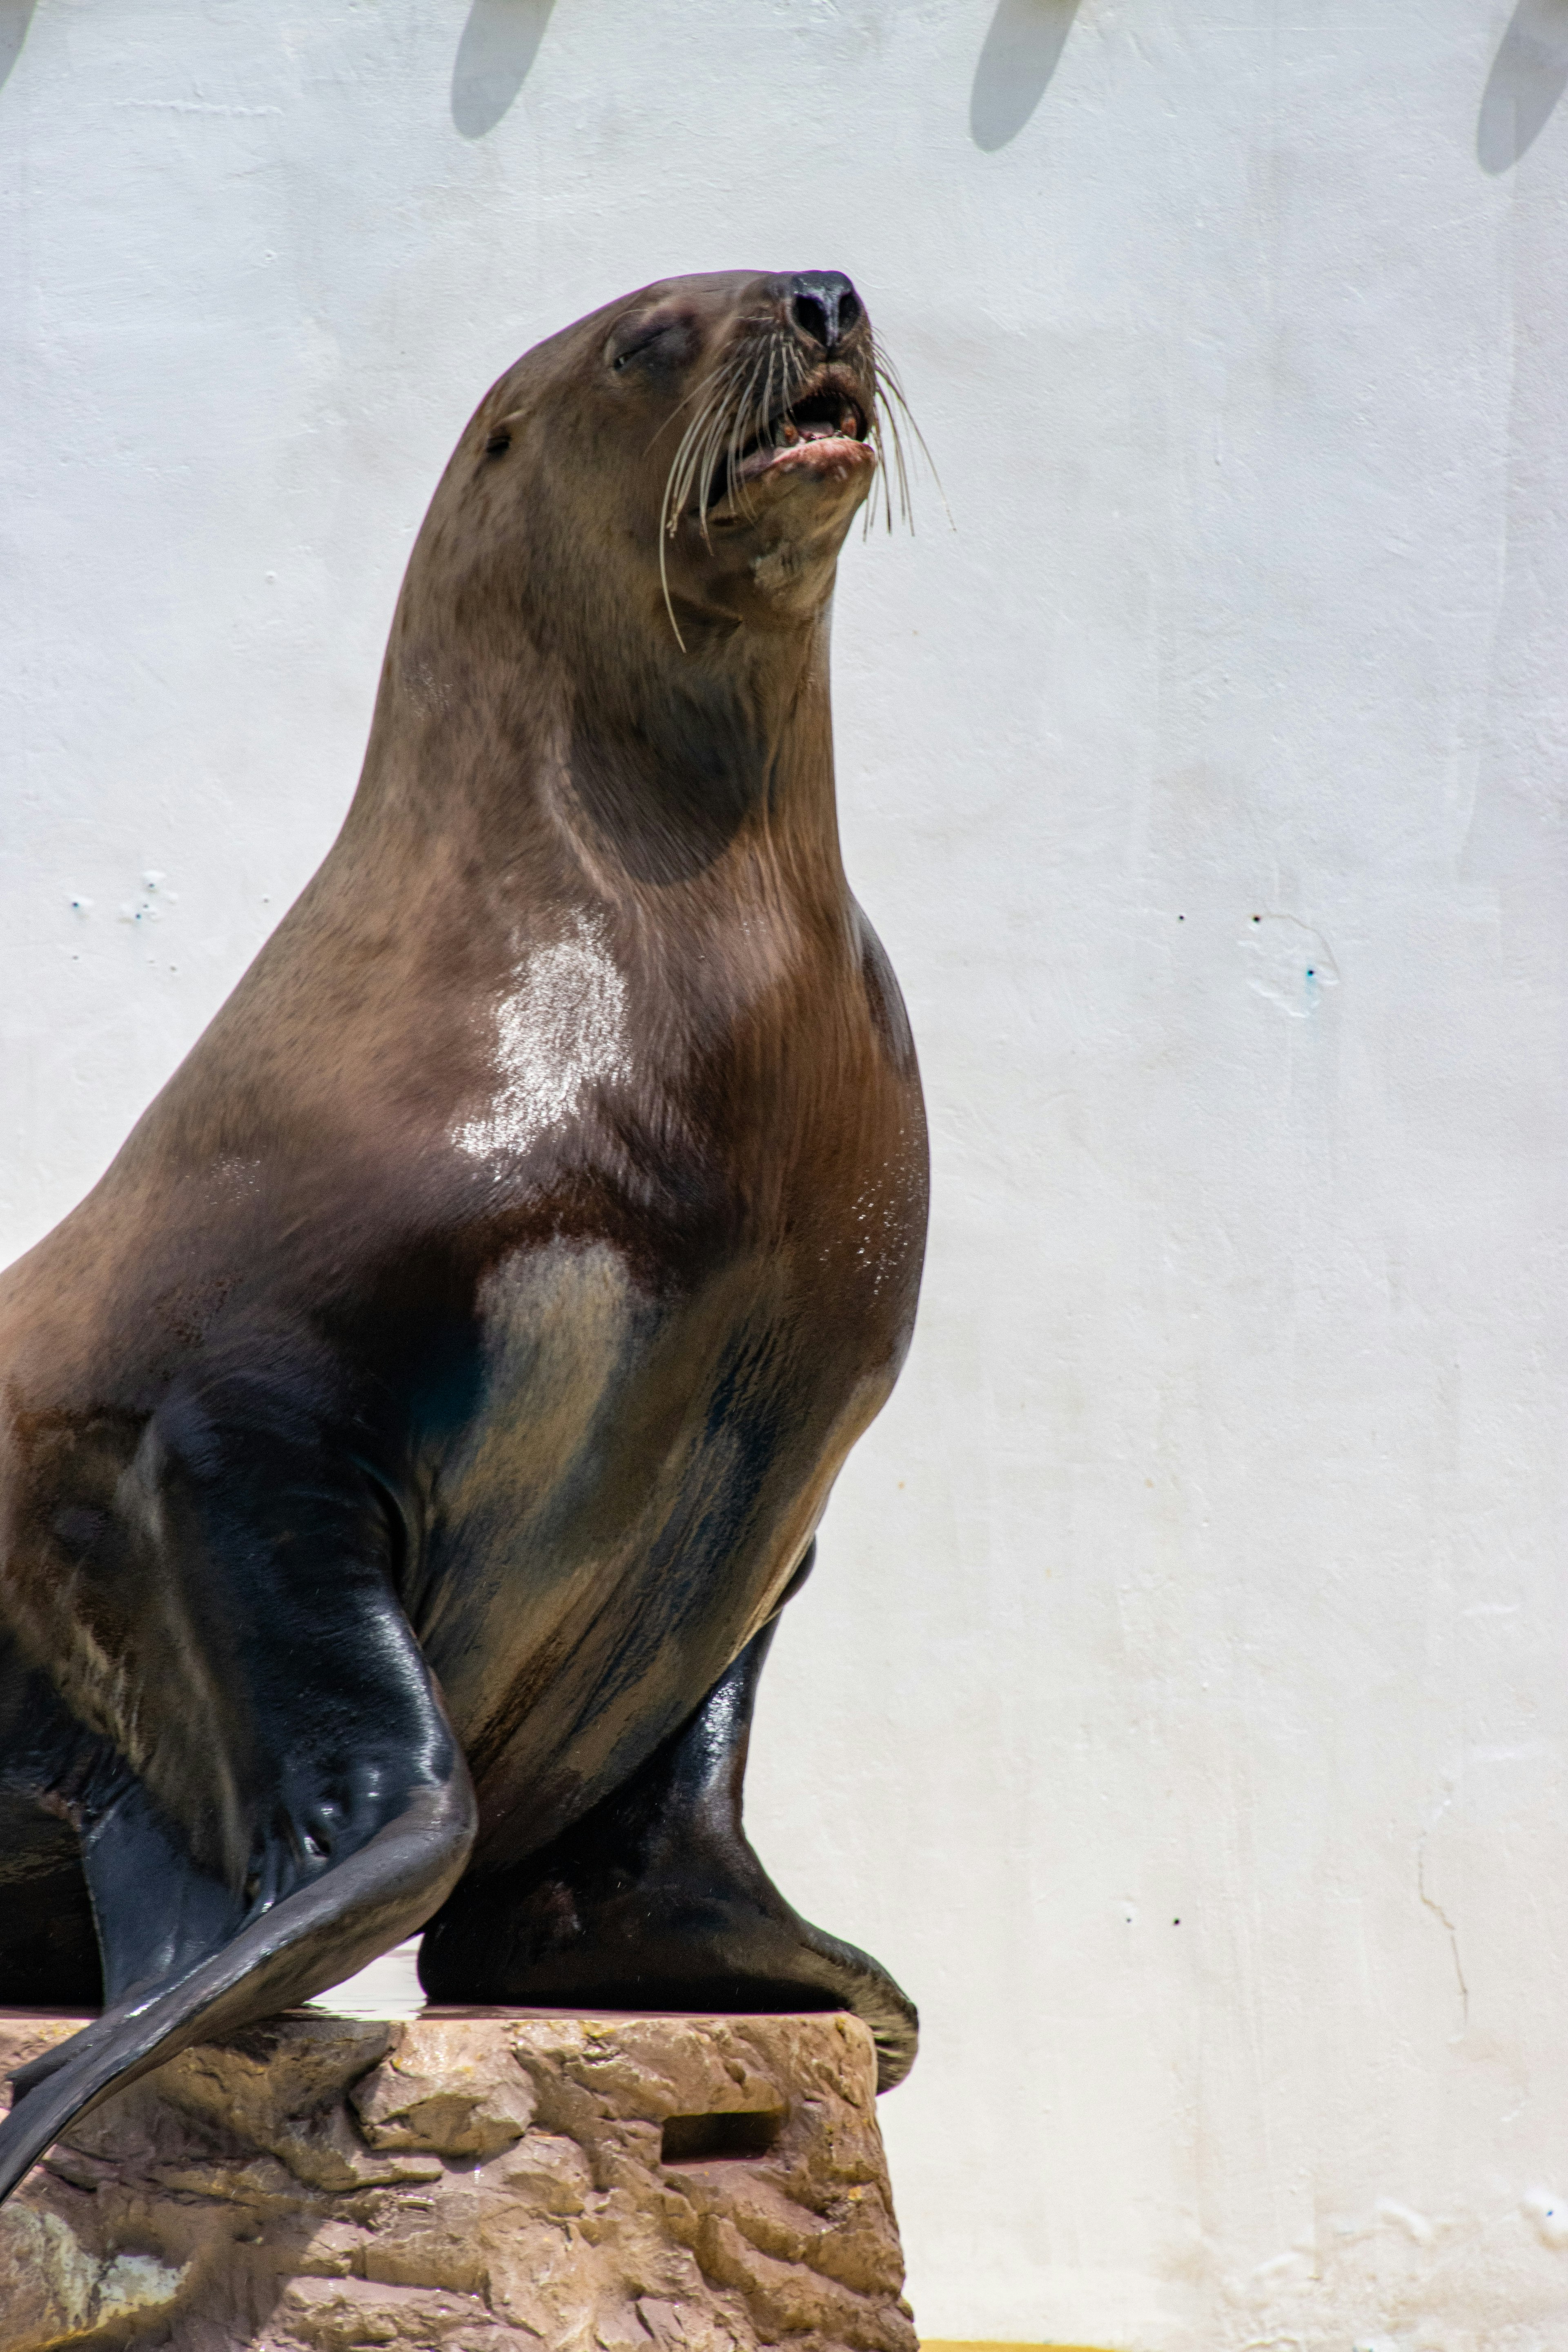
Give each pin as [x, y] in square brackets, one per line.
[683, 464]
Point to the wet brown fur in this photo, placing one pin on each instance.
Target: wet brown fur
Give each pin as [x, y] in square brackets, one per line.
[532, 1347]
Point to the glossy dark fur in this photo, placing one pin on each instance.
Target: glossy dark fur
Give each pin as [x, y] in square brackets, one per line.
[408, 1444]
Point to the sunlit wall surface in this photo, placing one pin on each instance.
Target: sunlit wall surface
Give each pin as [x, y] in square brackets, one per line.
[1179, 1705]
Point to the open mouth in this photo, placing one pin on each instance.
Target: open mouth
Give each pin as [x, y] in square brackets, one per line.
[824, 430]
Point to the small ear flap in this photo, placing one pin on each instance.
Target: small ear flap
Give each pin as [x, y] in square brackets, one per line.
[499, 439]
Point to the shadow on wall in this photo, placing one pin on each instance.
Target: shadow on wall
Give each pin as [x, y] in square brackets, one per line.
[500, 41]
[1529, 74]
[1021, 53]
[15, 16]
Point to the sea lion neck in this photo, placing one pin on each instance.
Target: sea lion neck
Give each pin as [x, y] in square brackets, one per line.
[637, 771]
[662, 783]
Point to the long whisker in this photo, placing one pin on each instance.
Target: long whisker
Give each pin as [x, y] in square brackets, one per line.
[684, 470]
[727, 436]
[706, 461]
[752, 414]
[892, 407]
[720, 425]
[888, 430]
[740, 401]
[704, 385]
[677, 483]
[674, 493]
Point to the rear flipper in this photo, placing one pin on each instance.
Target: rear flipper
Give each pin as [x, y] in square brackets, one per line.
[656, 1900]
[323, 1807]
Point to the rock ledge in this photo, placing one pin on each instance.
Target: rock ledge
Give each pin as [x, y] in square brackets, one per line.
[467, 2181]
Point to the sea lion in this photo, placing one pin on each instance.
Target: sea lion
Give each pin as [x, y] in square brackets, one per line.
[409, 1444]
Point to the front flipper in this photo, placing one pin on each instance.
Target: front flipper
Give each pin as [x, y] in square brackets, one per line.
[301, 1945]
[656, 1900]
[317, 1807]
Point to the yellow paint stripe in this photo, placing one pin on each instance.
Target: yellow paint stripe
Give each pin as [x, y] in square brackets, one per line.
[948, 2344]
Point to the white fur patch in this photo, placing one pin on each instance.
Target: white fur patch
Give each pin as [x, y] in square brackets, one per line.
[560, 1031]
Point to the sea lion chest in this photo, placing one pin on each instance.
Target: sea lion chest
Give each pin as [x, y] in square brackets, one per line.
[678, 1336]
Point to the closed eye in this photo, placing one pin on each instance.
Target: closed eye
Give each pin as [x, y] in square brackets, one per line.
[670, 341]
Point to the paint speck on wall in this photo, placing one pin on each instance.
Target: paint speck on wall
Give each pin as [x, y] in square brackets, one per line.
[1288, 962]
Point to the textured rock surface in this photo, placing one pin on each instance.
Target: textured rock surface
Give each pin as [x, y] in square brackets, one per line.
[480, 2180]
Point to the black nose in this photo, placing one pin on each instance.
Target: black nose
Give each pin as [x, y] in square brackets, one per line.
[824, 305]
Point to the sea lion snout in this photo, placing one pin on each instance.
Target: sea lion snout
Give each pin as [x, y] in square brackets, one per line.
[779, 439]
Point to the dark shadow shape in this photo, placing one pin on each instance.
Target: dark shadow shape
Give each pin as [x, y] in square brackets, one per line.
[1021, 53]
[15, 16]
[735, 2135]
[1528, 76]
[500, 41]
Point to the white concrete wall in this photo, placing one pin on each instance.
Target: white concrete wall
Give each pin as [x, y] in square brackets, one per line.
[1209, 1565]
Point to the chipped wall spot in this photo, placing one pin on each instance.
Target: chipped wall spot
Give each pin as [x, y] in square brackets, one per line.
[1549, 2216]
[1289, 963]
